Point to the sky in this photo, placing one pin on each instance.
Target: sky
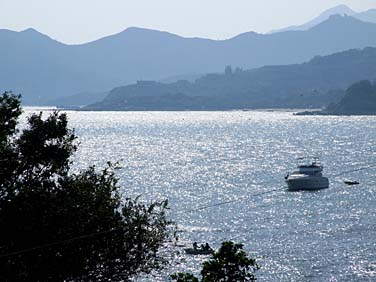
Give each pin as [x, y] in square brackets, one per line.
[79, 21]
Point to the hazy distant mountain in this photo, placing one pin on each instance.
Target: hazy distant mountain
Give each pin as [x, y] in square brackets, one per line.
[309, 85]
[337, 10]
[359, 99]
[367, 16]
[42, 69]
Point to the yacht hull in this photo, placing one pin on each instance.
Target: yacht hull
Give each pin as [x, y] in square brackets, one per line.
[307, 183]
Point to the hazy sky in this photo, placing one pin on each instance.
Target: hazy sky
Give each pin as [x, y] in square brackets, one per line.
[77, 21]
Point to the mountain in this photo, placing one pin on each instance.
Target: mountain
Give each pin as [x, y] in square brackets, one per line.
[337, 10]
[43, 69]
[314, 84]
[359, 99]
[366, 16]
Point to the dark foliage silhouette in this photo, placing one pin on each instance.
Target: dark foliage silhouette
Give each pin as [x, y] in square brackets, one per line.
[229, 264]
[60, 226]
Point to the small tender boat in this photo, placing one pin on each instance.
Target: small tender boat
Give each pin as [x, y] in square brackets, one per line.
[349, 182]
[307, 177]
[192, 251]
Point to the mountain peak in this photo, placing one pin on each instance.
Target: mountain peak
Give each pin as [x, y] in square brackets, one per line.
[30, 30]
[140, 30]
[337, 10]
[340, 22]
[340, 9]
[248, 34]
[135, 35]
[135, 29]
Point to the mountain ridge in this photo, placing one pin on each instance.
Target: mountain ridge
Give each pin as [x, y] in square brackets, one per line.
[43, 69]
[312, 84]
[367, 16]
[359, 99]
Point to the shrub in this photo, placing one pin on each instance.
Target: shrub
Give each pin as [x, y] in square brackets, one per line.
[59, 226]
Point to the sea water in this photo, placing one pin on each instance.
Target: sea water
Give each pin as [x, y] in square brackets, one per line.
[206, 159]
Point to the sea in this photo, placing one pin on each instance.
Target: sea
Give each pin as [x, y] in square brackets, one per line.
[223, 175]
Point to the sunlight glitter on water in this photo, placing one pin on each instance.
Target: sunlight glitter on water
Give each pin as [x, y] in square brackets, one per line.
[203, 158]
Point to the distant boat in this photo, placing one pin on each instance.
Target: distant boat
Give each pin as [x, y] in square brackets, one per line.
[307, 177]
[202, 250]
[348, 182]
[192, 251]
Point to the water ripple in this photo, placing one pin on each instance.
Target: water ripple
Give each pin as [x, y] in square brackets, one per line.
[204, 158]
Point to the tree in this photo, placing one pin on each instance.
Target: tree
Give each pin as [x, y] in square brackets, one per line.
[9, 111]
[229, 264]
[60, 226]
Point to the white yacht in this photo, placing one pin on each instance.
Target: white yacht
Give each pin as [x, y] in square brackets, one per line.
[307, 177]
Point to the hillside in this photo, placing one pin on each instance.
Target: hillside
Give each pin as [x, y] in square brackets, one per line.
[313, 84]
[366, 16]
[43, 69]
[359, 99]
[337, 10]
